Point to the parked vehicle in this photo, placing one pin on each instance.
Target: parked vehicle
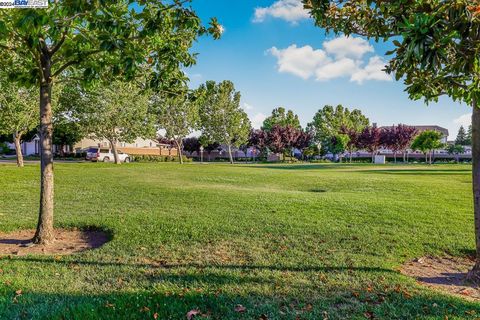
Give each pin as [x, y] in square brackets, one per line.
[105, 155]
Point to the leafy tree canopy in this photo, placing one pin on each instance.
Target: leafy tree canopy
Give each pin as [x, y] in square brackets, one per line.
[427, 141]
[282, 118]
[18, 109]
[112, 37]
[329, 122]
[117, 112]
[222, 119]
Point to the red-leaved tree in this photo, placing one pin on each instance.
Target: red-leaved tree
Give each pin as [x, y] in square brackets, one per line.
[371, 140]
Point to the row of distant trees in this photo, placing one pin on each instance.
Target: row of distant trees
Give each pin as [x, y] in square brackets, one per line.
[123, 111]
[338, 130]
[333, 130]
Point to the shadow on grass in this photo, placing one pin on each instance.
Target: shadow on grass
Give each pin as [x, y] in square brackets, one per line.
[213, 302]
[292, 166]
[163, 265]
[420, 171]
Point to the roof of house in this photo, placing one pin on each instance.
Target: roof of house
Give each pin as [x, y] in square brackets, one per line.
[444, 131]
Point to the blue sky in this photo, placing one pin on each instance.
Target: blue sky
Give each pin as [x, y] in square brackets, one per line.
[276, 57]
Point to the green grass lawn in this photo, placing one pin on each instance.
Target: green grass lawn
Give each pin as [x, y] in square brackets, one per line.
[284, 241]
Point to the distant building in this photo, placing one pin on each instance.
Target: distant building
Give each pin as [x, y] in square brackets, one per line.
[138, 147]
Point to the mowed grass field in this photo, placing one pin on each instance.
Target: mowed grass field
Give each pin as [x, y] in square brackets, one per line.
[284, 241]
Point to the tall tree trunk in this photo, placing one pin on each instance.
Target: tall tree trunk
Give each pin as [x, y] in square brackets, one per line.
[62, 150]
[230, 154]
[18, 148]
[395, 157]
[474, 274]
[45, 232]
[113, 145]
[180, 152]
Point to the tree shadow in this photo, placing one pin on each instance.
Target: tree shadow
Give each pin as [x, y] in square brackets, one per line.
[217, 303]
[170, 290]
[301, 167]
[422, 171]
[233, 267]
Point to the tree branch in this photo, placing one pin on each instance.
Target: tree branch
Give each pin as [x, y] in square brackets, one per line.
[59, 44]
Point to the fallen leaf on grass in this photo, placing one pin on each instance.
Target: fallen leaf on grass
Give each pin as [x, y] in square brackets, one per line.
[466, 292]
[263, 317]
[19, 292]
[155, 316]
[192, 313]
[307, 307]
[239, 308]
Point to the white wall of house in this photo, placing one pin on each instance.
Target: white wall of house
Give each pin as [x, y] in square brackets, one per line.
[138, 143]
[29, 148]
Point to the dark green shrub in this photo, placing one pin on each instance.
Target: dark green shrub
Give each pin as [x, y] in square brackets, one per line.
[154, 158]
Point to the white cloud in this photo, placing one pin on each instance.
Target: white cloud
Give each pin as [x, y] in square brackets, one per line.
[257, 120]
[372, 71]
[336, 69]
[464, 120]
[341, 57]
[348, 47]
[289, 10]
[301, 62]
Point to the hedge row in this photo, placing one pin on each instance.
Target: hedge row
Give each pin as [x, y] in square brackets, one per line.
[154, 158]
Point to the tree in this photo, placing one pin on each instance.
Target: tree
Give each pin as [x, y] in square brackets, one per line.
[116, 112]
[462, 138]
[90, 40]
[329, 122]
[304, 142]
[282, 118]
[18, 113]
[177, 115]
[455, 149]
[353, 140]
[191, 144]
[67, 100]
[222, 119]
[469, 136]
[66, 133]
[276, 140]
[436, 53]
[283, 140]
[337, 144]
[371, 140]
[398, 139]
[427, 142]
[258, 139]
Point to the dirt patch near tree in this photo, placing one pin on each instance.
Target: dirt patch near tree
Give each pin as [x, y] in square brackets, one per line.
[66, 242]
[446, 274]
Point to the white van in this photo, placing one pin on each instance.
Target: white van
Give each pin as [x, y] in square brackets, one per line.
[105, 155]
